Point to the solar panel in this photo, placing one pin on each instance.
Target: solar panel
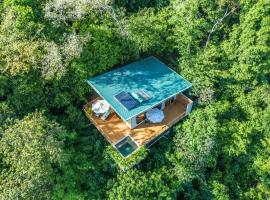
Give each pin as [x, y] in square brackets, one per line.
[144, 95]
[126, 100]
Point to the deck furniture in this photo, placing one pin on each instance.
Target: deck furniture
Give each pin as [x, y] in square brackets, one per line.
[100, 106]
[105, 115]
[155, 115]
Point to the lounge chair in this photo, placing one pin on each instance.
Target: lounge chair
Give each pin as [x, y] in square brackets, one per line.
[105, 115]
[97, 114]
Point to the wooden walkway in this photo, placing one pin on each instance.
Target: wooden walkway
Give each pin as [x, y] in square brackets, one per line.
[114, 128]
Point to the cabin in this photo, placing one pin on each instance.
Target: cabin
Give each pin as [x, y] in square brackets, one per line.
[137, 104]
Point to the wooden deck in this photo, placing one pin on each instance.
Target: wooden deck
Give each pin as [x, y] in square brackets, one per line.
[114, 128]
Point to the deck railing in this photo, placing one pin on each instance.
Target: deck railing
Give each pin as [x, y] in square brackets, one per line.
[90, 117]
[107, 133]
[177, 119]
[157, 138]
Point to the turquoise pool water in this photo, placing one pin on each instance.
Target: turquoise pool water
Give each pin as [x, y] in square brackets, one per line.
[126, 146]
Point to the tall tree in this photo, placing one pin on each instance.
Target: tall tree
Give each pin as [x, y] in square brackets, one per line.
[31, 149]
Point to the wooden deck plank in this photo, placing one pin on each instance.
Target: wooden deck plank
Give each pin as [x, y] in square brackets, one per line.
[114, 128]
[147, 131]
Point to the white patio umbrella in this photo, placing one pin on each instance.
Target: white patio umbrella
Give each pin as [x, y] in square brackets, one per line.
[155, 115]
[100, 106]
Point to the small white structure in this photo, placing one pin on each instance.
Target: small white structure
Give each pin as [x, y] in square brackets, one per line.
[146, 99]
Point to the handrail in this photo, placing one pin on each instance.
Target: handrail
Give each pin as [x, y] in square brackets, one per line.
[171, 123]
[89, 116]
[161, 131]
[152, 140]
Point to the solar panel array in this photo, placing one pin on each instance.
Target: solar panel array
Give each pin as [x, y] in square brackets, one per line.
[144, 95]
[126, 100]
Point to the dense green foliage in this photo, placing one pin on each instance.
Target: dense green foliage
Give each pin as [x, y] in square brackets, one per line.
[126, 163]
[49, 47]
[30, 149]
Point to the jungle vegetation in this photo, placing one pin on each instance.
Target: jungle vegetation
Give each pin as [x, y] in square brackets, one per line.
[48, 48]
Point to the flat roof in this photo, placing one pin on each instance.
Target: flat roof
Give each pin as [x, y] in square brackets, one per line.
[149, 74]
